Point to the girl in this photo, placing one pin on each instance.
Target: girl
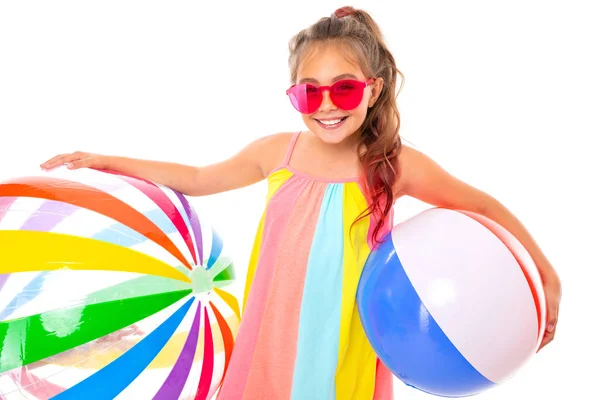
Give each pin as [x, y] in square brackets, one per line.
[331, 190]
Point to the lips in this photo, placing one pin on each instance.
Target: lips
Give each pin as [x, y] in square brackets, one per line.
[331, 123]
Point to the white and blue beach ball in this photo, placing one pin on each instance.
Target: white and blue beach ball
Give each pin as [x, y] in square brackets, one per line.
[452, 303]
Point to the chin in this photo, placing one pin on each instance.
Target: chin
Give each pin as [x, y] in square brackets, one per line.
[331, 137]
[334, 136]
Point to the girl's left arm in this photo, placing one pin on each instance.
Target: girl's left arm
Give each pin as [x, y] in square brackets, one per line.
[423, 179]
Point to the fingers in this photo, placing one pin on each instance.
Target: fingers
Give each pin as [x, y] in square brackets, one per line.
[548, 337]
[550, 326]
[62, 159]
[53, 161]
[79, 163]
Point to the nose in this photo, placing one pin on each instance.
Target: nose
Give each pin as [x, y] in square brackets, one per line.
[327, 104]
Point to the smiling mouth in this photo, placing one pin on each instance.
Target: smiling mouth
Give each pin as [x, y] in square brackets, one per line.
[331, 123]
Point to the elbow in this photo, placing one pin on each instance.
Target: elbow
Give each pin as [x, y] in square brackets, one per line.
[194, 188]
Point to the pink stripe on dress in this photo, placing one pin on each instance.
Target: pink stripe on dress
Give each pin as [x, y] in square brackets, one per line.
[272, 368]
[384, 383]
[276, 222]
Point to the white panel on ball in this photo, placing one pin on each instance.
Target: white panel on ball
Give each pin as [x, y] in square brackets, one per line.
[473, 286]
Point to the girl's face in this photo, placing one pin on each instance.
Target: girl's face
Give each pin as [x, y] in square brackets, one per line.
[324, 66]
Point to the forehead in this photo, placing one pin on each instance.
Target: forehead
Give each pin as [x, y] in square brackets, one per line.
[324, 62]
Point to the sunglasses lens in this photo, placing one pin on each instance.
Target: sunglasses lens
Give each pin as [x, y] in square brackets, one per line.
[305, 98]
[347, 95]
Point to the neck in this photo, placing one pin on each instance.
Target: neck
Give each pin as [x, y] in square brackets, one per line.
[348, 145]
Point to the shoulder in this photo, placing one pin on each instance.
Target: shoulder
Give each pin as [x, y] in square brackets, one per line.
[275, 140]
[270, 150]
[411, 165]
[424, 179]
[409, 156]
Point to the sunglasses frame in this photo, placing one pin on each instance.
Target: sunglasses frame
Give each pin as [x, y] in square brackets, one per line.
[361, 84]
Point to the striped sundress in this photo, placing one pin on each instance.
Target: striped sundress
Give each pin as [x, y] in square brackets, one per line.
[301, 336]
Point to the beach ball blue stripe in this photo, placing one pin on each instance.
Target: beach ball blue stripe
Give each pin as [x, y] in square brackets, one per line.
[437, 366]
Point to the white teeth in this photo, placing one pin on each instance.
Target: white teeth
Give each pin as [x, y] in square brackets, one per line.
[331, 122]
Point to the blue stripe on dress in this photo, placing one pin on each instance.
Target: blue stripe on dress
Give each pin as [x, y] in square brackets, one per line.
[319, 328]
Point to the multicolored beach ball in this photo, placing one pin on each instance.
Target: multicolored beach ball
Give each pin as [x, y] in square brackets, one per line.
[452, 303]
[110, 287]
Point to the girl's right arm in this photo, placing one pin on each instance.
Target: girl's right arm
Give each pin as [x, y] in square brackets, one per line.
[247, 167]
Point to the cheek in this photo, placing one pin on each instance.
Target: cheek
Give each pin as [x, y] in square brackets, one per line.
[366, 99]
[362, 109]
[307, 120]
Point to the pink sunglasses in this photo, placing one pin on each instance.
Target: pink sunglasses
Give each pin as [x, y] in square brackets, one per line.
[346, 95]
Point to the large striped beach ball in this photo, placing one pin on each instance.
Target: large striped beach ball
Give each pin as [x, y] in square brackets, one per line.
[452, 303]
[110, 287]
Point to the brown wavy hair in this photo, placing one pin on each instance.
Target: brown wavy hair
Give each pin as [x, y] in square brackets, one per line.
[380, 142]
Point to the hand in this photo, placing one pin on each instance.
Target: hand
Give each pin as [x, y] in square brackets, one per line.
[553, 293]
[76, 160]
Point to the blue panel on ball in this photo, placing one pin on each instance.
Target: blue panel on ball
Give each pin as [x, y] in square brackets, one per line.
[405, 336]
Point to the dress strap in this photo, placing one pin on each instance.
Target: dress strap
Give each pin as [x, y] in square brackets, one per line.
[290, 150]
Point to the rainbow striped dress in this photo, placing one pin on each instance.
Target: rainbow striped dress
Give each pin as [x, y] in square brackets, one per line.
[301, 337]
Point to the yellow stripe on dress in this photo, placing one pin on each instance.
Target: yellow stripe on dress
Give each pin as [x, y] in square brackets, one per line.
[355, 377]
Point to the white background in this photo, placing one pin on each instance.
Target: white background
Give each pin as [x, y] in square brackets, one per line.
[505, 95]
